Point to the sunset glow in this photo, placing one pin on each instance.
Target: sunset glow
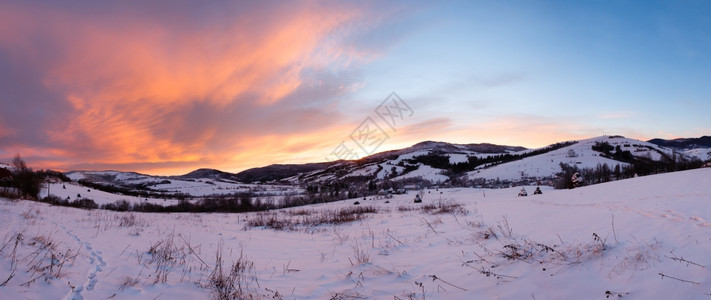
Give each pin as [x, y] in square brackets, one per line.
[169, 87]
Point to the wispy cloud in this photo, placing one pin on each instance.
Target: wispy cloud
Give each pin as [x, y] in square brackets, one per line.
[427, 127]
[166, 86]
[113, 84]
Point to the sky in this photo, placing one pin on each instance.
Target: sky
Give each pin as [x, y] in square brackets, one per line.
[166, 87]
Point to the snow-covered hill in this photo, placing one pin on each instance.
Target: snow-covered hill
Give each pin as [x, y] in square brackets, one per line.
[641, 238]
[110, 177]
[6, 167]
[700, 153]
[696, 147]
[161, 189]
[424, 164]
[436, 163]
[579, 154]
[381, 165]
[521, 166]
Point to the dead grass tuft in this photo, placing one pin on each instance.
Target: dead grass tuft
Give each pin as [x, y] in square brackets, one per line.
[444, 207]
[299, 219]
[235, 282]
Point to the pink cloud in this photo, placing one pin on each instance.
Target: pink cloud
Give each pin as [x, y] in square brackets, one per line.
[148, 85]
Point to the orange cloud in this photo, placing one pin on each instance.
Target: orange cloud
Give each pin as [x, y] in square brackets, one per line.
[179, 86]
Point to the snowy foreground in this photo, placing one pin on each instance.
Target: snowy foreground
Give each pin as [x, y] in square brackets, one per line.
[641, 238]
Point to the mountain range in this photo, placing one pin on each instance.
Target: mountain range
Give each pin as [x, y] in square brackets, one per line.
[448, 163]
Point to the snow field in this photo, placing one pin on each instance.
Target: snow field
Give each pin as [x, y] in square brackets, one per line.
[612, 239]
[72, 191]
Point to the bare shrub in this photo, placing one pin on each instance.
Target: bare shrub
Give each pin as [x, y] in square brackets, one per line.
[360, 253]
[404, 208]
[638, 257]
[444, 207]
[130, 220]
[166, 255]
[504, 228]
[271, 220]
[517, 248]
[234, 283]
[487, 233]
[52, 259]
[128, 281]
[45, 260]
[13, 242]
[570, 254]
[341, 238]
[481, 230]
[27, 181]
[31, 214]
[300, 219]
[345, 215]
[135, 231]
[300, 212]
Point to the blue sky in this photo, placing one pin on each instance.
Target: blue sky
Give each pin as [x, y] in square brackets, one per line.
[637, 68]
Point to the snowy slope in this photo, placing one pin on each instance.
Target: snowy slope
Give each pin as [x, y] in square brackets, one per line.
[74, 191]
[379, 165]
[6, 166]
[110, 176]
[193, 187]
[425, 172]
[700, 153]
[542, 166]
[582, 156]
[641, 238]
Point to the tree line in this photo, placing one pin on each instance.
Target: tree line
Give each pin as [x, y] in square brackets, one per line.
[23, 182]
[631, 166]
[441, 161]
[646, 165]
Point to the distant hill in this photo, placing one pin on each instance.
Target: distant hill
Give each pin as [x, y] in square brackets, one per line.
[424, 161]
[684, 143]
[110, 176]
[440, 163]
[696, 147]
[486, 165]
[278, 171]
[208, 174]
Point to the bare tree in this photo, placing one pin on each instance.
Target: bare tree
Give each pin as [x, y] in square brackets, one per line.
[27, 181]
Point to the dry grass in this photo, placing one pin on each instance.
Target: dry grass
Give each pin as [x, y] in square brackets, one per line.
[361, 255]
[130, 220]
[45, 260]
[166, 255]
[128, 281]
[638, 257]
[444, 207]
[434, 208]
[405, 208]
[299, 219]
[236, 282]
